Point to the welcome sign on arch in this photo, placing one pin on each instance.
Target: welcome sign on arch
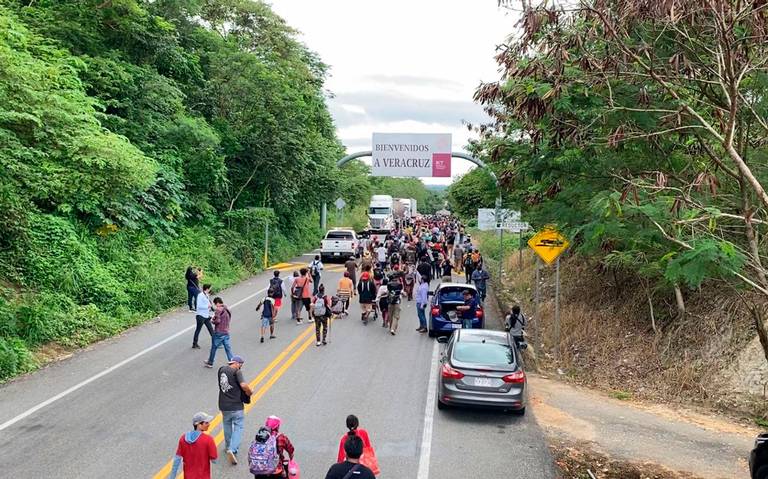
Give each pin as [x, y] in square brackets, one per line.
[411, 154]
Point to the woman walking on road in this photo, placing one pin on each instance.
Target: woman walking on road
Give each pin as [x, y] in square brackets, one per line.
[193, 288]
[344, 290]
[382, 298]
[353, 424]
[366, 290]
[203, 314]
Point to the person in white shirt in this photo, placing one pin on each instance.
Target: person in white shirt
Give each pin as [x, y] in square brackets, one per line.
[381, 256]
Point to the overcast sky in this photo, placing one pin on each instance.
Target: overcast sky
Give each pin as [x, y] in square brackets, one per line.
[402, 66]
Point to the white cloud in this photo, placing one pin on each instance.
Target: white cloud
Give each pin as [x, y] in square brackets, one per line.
[354, 109]
[403, 65]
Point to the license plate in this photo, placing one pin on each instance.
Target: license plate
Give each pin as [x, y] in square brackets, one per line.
[483, 382]
[336, 254]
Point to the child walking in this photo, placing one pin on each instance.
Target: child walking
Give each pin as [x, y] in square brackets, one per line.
[267, 317]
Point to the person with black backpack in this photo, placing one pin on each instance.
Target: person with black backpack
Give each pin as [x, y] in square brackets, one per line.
[394, 297]
[275, 292]
[321, 310]
[316, 271]
[514, 323]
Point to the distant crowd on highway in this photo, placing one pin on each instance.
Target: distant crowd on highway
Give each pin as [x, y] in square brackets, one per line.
[387, 269]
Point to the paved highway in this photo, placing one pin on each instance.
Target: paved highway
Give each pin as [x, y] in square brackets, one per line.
[118, 408]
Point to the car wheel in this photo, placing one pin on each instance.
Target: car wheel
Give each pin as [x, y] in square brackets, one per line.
[441, 405]
[431, 333]
[519, 412]
[762, 472]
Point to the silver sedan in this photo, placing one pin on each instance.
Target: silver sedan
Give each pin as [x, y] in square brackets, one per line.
[480, 367]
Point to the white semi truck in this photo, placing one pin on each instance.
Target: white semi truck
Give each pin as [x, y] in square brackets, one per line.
[381, 214]
[405, 208]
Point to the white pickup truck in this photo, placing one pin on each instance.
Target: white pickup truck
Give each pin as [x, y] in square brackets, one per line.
[338, 243]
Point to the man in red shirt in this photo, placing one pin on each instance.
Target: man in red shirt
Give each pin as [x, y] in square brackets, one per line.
[196, 450]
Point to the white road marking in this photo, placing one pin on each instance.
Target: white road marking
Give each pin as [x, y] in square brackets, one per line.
[429, 417]
[100, 375]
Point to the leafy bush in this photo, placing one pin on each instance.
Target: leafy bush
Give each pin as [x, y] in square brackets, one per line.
[15, 358]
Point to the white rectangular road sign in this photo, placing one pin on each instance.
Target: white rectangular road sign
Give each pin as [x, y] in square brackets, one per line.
[510, 220]
[411, 154]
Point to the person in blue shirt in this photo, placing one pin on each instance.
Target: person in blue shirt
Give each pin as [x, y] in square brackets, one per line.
[422, 299]
[480, 277]
[468, 309]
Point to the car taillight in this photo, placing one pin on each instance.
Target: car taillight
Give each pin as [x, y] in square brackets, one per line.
[449, 373]
[435, 311]
[516, 377]
[479, 313]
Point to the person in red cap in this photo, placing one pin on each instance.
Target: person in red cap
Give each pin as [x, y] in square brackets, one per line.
[281, 445]
[196, 450]
[366, 290]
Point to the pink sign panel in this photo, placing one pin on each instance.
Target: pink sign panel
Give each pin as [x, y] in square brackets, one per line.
[441, 165]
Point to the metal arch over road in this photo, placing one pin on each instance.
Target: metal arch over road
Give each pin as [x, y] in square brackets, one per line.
[464, 156]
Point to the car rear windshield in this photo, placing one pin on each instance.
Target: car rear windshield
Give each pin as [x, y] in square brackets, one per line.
[483, 353]
[344, 235]
[453, 295]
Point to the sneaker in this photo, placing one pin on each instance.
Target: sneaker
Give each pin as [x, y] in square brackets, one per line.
[325, 342]
[298, 321]
[392, 332]
[232, 458]
[272, 336]
[262, 339]
[195, 346]
[311, 320]
[317, 343]
[207, 364]
[192, 311]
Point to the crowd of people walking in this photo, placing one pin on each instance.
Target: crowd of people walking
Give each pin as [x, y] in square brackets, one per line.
[385, 273]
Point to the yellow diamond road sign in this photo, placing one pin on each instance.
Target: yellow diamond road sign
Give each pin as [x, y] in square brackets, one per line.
[548, 244]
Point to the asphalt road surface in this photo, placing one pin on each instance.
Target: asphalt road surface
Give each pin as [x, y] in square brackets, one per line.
[118, 408]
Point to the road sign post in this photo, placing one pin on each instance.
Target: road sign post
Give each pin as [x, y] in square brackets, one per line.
[549, 244]
[536, 306]
[266, 245]
[557, 309]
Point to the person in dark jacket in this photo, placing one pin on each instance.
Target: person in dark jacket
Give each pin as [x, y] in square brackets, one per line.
[425, 269]
[193, 288]
[366, 290]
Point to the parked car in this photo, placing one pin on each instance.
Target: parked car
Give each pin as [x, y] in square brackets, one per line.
[444, 318]
[758, 458]
[480, 367]
[339, 243]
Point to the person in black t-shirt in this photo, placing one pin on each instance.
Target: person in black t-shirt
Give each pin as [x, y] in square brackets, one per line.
[233, 391]
[351, 468]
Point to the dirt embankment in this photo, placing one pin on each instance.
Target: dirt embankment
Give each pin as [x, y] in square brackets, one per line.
[710, 358]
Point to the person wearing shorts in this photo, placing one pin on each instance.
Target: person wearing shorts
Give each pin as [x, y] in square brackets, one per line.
[268, 308]
[276, 291]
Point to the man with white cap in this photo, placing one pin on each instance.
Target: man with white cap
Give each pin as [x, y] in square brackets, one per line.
[196, 450]
[233, 393]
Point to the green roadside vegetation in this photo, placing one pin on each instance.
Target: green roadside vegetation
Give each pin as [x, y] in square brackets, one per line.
[137, 138]
[653, 174]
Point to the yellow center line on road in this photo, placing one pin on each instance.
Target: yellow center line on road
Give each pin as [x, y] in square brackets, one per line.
[166, 470]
